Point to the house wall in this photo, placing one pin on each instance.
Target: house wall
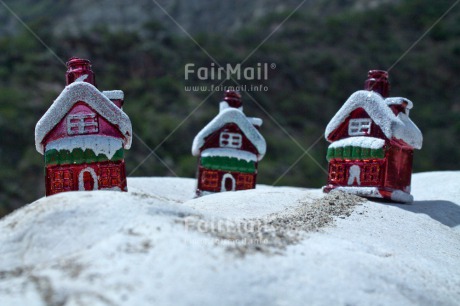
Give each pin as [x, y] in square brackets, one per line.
[72, 177]
[104, 127]
[390, 173]
[212, 141]
[399, 168]
[211, 180]
[371, 173]
[342, 131]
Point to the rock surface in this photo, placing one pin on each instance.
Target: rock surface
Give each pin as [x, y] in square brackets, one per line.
[269, 246]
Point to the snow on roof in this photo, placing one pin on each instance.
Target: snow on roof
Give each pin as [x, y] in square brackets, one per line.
[97, 143]
[86, 92]
[399, 127]
[114, 94]
[256, 121]
[227, 152]
[399, 101]
[230, 115]
[361, 141]
[406, 130]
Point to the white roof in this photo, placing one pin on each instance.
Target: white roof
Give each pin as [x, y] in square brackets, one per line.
[225, 116]
[399, 127]
[86, 92]
[361, 141]
[114, 94]
[256, 121]
[227, 152]
[399, 101]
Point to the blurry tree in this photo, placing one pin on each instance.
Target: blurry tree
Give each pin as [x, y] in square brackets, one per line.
[319, 61]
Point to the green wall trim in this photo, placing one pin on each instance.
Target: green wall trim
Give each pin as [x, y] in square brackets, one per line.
[351, 152]
[78, 156]
[228, 164]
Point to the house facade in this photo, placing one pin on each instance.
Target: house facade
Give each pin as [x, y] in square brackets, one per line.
[83, 135]
[372, 143]
[229, 149]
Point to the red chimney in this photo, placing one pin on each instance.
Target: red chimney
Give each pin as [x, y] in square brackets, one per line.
[377, 80]
[233, 98]
[78, 68]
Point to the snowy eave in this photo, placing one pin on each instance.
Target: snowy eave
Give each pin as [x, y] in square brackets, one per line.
[361, 141]
[114, 94]
[256, 121]
[87, 93]
[230, 115]
[399, 101]
[97, 143]
[399, 127]
[227, 152]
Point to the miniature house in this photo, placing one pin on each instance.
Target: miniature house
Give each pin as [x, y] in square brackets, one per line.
[229, 149]
[372, 143]
[83, 135]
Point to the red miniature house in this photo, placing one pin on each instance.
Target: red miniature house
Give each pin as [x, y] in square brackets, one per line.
[373, 141]
[229, 147]
[83, 135]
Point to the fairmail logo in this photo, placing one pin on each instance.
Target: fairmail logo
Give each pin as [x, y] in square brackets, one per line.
[228, 72]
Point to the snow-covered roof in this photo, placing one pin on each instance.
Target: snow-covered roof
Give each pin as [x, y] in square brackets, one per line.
[399, 127]
[97, 143]
[399, 101]
[360, 141]
[86, 92]
[114, 94]
[256, 121]
[227, 152]
[230, 115]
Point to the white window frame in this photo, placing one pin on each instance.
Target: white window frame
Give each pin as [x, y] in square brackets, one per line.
[82, 123]
[224, 178]
[359, 127]
[230, 140]
[81, 182]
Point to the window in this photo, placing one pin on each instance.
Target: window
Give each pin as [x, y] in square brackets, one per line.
[78, 124]
[210, 179]
[61, 180]
[337, 173]
[359, 127]
[230, 140]
[371, 173]
[245, 181]
[110, 177]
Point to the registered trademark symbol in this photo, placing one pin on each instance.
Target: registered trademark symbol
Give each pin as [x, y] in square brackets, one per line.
[272, 65]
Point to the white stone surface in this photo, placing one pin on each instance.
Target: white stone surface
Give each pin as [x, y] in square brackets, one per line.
[116, 248]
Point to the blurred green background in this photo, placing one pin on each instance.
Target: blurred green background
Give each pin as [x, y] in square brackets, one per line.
[322, 53]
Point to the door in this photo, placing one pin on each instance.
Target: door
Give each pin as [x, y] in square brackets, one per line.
[354, 174]
[87, 179]
[228, 182]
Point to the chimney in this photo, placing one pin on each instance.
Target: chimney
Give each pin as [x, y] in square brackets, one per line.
[232, 98]
[377, 80]
[79, 69]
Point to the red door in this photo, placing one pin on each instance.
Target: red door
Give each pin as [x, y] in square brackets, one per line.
[88, 181]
